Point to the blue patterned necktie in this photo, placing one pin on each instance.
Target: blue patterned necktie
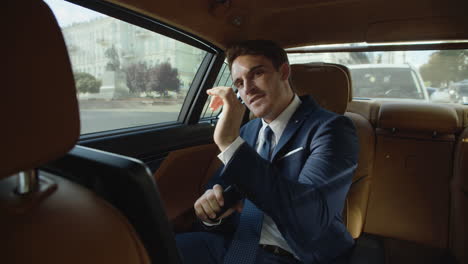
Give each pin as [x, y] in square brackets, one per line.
[244, 245]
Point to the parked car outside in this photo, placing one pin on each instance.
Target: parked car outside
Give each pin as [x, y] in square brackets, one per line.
[440, 96]
[431, 90]
[459, 91]
[387, 81]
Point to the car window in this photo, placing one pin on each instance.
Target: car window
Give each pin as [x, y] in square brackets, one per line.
[385, 82]
[126, 76]
[427, 75]
[223, 79]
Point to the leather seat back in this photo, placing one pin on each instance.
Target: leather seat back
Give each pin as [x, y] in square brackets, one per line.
[459, 200]
[328, 83]
[199, 164]
[63, 222]
[56, 221]
[413, 166]
[42, 108]
[355, 210]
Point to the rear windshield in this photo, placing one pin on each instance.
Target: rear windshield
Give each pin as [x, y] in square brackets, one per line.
[439, 76]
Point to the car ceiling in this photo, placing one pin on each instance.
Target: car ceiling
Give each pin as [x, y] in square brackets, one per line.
[295, 23]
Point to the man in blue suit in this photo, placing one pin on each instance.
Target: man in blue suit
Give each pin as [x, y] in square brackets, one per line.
[293, 166]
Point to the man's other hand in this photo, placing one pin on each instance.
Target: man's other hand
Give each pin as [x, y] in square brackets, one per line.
[227, 128]
[211, 202]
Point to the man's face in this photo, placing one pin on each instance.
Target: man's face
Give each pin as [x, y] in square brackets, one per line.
[263, 89]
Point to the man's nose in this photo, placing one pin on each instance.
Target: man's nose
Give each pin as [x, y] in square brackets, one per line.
[249, 86]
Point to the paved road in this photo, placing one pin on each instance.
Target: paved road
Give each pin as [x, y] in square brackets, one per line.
[102, 120]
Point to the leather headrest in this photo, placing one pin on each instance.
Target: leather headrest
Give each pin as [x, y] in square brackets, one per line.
[39, 109]
[418, 117]
[329, 84]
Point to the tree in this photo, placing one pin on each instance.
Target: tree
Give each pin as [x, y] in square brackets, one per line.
[159, 78]
[154, 83]
[445, 66]
[137, 77]
[86, 83]
[114, 61]
[163, 78]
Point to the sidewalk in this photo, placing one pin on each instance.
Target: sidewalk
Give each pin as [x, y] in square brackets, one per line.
[133, 104]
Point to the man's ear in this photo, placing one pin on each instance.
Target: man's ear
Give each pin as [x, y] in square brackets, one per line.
[285, 71]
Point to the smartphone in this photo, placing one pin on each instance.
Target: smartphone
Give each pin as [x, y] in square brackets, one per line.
[239, 97]
[231, 196]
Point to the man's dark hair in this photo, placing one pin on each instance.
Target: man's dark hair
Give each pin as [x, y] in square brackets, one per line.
[266, 48]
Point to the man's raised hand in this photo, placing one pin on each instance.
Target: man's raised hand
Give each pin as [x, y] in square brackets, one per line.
[227, 128]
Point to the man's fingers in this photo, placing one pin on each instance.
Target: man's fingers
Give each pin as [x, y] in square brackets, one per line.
[215, 103]
[208, 210]
[199, 211]
[209, 203]
[218, 191]
[219, 91]
[202, 209]
[227, 213]
[219, 96]
[238, 207]
[212, 201]
[227, 127]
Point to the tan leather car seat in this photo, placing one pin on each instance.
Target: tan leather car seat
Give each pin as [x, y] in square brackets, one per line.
[44, 218]
[194, 166]
[330, 85]
[410, 197]
[459, 195]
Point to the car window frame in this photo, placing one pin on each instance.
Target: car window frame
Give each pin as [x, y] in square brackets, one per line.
[205, 76]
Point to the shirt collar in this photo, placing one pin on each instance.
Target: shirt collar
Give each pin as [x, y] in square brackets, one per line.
[279, 124]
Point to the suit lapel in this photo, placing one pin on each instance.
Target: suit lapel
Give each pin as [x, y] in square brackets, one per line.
[251, 130]
[307, 106]
[250, 133]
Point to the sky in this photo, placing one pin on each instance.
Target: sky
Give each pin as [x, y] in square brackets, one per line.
[418, 58]
[68, 13]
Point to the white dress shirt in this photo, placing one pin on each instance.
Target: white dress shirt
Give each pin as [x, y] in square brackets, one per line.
[270, 234]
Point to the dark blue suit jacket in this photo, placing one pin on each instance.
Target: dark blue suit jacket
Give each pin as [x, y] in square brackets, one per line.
[304, 193]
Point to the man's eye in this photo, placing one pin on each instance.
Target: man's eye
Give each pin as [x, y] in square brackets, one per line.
[258, 73]
[239, 85]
